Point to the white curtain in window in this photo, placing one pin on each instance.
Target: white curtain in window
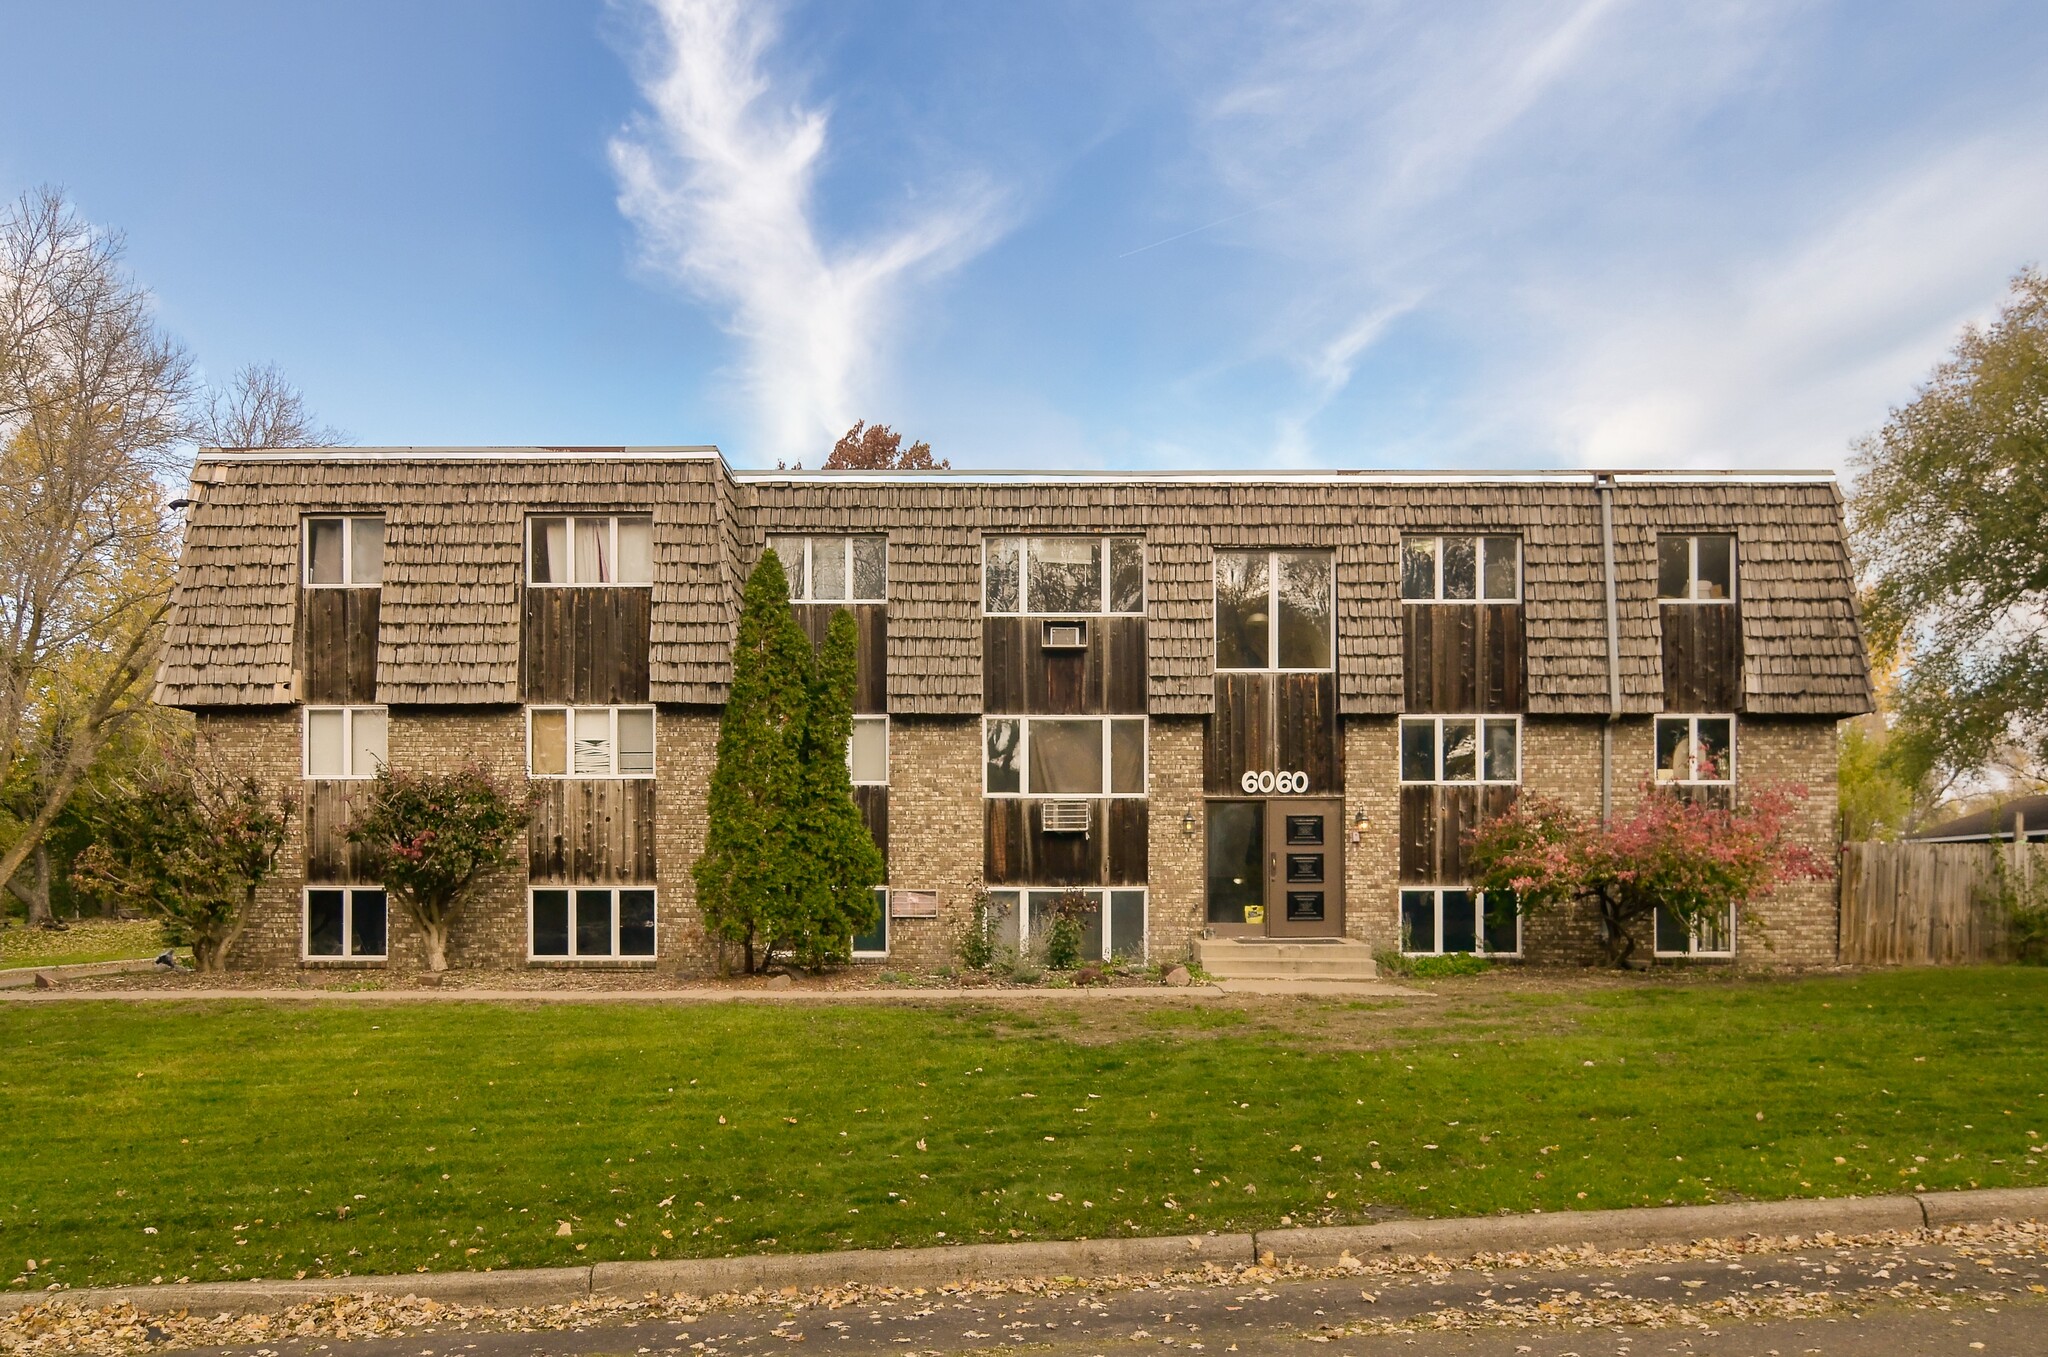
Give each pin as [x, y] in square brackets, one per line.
[368, 733]
[326, 749]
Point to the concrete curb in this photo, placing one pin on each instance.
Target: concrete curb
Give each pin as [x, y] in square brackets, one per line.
[919, 1267]
[1634, 1228]
[1984, 1205]
[1085, 1258]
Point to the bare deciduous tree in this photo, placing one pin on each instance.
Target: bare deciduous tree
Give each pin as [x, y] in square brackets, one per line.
[93, 413]
[260, 409]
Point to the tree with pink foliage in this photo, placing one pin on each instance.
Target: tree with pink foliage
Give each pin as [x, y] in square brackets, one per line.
[1683, 855]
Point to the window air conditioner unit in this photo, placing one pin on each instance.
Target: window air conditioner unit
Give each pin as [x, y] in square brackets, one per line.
[1066, 636]
[1065, 817]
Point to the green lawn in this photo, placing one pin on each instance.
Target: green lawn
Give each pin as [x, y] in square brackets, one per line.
[84, 940]
[242, 1140]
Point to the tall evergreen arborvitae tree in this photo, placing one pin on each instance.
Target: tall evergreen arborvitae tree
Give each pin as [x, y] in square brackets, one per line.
[840, 864]
[750, 875]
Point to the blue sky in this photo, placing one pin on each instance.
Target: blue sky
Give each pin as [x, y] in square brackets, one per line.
[1040, 235]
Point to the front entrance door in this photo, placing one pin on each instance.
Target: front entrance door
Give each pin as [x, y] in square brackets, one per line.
[1304, 869]
[1276, 868]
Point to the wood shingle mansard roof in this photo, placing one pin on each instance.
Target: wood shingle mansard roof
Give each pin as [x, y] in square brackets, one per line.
[453, 566]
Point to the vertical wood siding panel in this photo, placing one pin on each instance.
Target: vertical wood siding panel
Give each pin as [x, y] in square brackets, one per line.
[1702, 656]
[1067, 859]
[1240, 731]
[871, 686]
[1005, 849]
[1503, 652]
[1418, 653]
[1062, 688]
[1002, 665]
[1124, 662]
[331, 860]
[1129, 842]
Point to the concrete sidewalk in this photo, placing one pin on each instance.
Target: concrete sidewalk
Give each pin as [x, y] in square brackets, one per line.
[709, 995]
[1449, 1240]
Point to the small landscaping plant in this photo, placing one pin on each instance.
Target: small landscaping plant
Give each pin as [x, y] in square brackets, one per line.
[1062, 947]
[1674, 853]
[976, 944]
[431, 835]
[188, 845]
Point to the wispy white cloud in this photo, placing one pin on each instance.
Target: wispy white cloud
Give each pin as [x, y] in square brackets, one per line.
[719, 176]
[1436, 164]
[1778, 357]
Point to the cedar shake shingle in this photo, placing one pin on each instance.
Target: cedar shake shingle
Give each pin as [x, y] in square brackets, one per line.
[453, 560]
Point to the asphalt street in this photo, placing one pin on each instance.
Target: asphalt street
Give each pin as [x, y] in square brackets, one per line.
[1913, 1299]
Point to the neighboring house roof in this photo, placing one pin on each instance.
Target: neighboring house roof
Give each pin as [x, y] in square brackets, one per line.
[450, 624]
[1996, 823]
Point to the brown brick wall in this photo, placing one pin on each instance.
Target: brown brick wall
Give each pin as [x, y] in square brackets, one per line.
[1372, 852]
[936, 831]
[264, 743]
[1176, 901]
[1799, 922]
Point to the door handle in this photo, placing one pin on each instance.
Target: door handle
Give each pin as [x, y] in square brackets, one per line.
[1272, 866]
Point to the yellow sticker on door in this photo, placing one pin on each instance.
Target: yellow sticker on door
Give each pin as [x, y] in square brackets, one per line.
[1255, 914]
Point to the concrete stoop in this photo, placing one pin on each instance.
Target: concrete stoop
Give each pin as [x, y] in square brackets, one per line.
[1343, 960]
[1453, 1240]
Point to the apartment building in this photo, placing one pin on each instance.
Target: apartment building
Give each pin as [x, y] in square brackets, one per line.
[1225, 706]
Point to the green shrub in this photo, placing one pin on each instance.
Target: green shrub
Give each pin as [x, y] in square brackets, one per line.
[1063, 931]
[1430, 967]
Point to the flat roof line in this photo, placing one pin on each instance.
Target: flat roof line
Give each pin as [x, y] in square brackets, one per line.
[762, 476]
[696, 453]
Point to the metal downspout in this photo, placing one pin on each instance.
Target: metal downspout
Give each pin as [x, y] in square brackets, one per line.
[1605, 482]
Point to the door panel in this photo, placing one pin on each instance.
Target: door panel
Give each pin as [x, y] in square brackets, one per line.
[1237, 874]
[1304, 869]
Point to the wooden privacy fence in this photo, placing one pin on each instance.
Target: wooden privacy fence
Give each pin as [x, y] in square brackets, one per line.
[1932, 903]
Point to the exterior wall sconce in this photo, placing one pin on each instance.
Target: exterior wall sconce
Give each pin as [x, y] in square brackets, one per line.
[1358, 825]
[1187, 824]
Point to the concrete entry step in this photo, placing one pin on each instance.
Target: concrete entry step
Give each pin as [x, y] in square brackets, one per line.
[1339, 959]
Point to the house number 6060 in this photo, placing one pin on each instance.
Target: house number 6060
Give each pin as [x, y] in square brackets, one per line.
[1265, 784]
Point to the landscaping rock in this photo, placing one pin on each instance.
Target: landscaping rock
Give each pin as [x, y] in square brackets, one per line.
[780, 982]
[44, 981]
[1179, 976]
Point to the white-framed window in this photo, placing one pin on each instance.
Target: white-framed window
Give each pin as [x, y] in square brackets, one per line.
[1706, 938]
[1275, 610]
[344, 742]
[1696, 568]
[590, 741]
[1018, 918]
[589, 549]
[345, 923]
[1479, 569]
[1695, 749]
[582, 922]
[1438, 920]
[1461, 749]
[875, 942]
[834, 569]
[1062, 576]
[867, 751]
[1063, 755]
[344, 551]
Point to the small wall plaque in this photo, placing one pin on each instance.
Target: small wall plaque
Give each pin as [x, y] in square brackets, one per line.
[913, 904]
